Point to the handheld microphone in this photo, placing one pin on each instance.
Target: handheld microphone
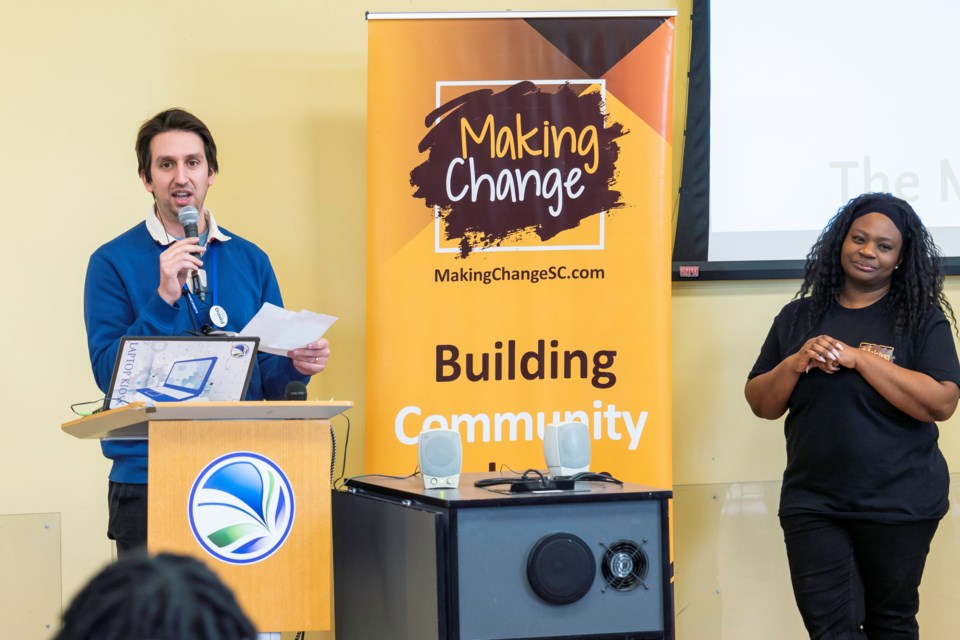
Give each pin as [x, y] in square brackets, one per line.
[295, 390]
[189, 217]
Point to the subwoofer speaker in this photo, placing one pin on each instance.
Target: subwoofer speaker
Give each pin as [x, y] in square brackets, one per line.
[566, 448]
[441, 457]
[560, 568]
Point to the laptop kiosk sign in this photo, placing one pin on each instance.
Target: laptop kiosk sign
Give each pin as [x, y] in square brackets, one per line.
[182, 369]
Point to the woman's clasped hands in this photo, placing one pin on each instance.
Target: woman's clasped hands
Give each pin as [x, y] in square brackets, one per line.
[825, 353]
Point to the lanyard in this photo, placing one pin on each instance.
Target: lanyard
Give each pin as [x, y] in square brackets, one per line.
[199, 323]
[195, 316]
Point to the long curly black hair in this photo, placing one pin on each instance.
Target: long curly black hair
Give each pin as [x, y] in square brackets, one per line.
[916, 286]
[163, 597]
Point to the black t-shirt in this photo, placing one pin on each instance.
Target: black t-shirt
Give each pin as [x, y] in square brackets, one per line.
[850, 453]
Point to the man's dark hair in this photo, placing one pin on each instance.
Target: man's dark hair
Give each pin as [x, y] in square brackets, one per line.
[173, 120]
[163, 597]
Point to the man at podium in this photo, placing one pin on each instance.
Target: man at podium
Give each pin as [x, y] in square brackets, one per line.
[156, 280]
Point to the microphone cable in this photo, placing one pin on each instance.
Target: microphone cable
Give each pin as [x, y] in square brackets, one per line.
[333, 453]
[346, 444]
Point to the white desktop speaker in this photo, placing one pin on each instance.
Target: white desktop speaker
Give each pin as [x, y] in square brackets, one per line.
[566, 448]
[441, 456]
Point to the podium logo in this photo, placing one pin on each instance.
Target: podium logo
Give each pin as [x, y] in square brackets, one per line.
[241, 508]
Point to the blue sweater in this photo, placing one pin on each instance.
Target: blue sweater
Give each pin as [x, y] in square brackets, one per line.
[120, 299]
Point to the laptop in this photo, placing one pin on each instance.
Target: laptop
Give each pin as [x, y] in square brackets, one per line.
[181, 369]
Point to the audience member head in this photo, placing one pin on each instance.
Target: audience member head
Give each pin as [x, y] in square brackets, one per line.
[162, 597]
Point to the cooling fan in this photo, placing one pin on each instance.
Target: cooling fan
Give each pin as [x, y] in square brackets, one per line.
[624, 565]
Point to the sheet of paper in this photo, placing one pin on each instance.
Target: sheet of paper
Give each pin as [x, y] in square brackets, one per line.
[281, 330]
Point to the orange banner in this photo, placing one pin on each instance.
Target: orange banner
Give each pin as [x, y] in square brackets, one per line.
[518, 257]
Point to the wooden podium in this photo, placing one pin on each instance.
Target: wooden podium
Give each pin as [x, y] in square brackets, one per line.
[287, 589]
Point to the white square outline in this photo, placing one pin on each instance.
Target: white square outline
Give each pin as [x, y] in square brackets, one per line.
[436, 210]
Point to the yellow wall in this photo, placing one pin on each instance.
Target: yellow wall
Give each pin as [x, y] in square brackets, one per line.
[283, 87]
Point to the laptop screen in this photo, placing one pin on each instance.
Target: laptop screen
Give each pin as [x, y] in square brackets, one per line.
[182, 369]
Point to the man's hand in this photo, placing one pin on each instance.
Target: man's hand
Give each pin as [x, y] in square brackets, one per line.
[311, 359]
[176, 263]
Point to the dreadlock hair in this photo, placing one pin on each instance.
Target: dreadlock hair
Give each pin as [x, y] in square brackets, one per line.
[163, 597]
[916, 286]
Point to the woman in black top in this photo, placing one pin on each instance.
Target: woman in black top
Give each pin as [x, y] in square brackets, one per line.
[863, 363]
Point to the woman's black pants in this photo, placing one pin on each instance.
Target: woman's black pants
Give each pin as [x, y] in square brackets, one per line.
[856, 579]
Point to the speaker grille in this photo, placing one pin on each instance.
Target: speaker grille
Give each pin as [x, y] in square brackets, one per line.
[439, 453]
[574, 444]
[624, 565]
[561, 568]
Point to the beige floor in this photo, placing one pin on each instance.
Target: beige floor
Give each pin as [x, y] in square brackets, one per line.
[731, 572]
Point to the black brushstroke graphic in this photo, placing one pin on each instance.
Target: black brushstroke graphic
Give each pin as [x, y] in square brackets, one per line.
[502, 165]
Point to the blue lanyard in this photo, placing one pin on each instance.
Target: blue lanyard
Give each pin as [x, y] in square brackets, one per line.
[211, 255]
[197, 321]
